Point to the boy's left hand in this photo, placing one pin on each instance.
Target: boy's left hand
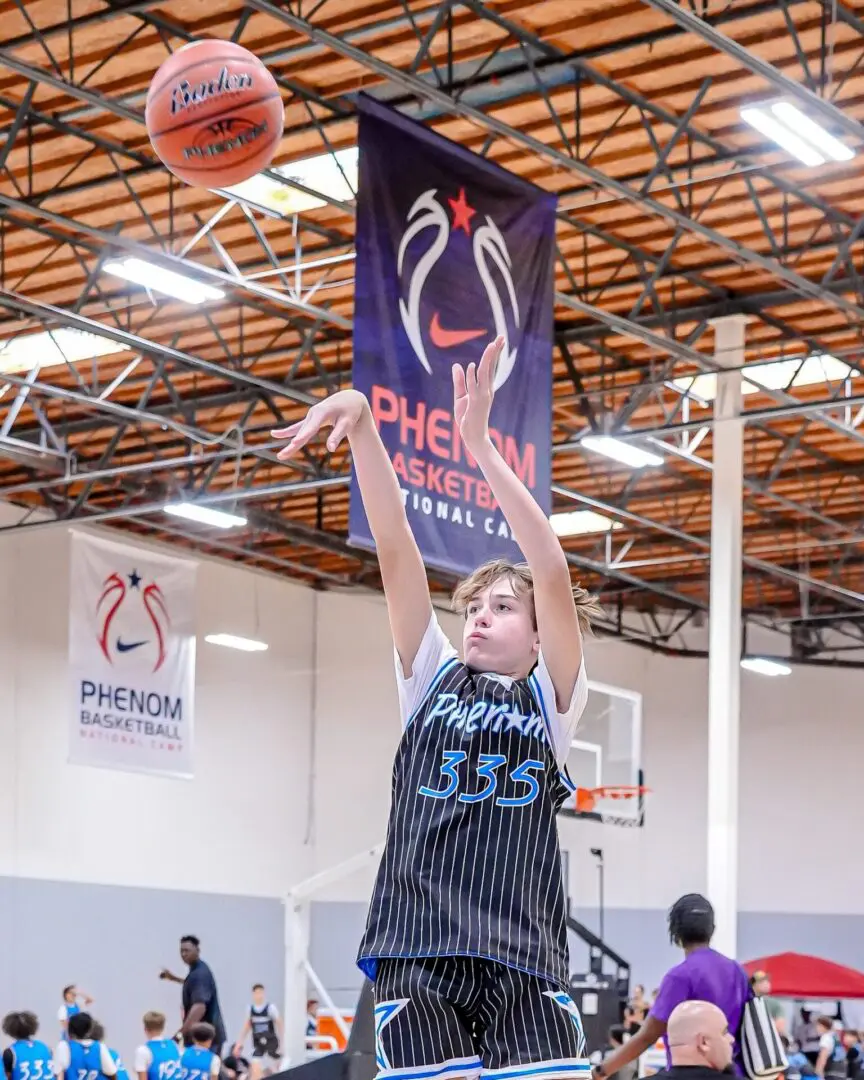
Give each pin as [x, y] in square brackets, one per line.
[473, 391]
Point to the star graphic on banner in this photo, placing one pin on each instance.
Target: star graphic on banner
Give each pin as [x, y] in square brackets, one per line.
[462, 212]
[134, 579]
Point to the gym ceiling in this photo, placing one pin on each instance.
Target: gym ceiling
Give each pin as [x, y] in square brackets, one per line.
[673, 211]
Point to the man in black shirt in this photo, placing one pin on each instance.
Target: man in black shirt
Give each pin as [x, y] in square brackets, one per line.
[700, 1043]
[200, 996]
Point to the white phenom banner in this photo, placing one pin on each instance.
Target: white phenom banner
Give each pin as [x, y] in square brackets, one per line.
[131, 658]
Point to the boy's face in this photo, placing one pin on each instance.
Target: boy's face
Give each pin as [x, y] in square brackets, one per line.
[499, 634]
[69, 997]
[258, 996]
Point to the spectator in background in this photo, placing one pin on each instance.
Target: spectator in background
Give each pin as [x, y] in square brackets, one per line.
[235, 1068]
[760, 984]
[700, 1043]
[198, 1060]
[311, 1017]
[27, 1058]
[617, 1038]
[265, 1025]
[631, 1024]
[80, 1055]
[704, 975]
[70, 1007]
[200, 996]
[97, 1034]
[854, 1060]
[159, 1057]
[806, 1035]
[831, 1062]
[638, 1005]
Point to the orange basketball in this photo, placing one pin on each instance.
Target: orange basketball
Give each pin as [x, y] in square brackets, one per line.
[214, 114]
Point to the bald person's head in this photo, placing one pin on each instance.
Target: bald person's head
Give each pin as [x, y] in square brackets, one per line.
[698, 1034]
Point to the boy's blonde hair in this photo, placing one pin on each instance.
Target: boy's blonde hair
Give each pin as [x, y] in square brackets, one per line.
[520, 579]
[154, 1021]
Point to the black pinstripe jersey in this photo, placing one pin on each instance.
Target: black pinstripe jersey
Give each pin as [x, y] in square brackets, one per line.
[471, 864]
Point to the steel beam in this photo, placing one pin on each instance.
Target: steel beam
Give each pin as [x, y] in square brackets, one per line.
[180, 265]
[660, 342]
[810, 102]
[425, 90]
[64, 317]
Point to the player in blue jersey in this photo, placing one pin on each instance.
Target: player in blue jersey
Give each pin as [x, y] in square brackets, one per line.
[158, 1058]
[72, 996]
[97, 1034]
[466, 937]
[27, 1058]
[198, 1061]
[80, 1057]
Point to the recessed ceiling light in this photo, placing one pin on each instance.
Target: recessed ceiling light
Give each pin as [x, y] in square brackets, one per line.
[774, 375]
[769, 125]
[761, 665]
[52, 347]
[814, 133]
[618, 450]
[581, 523]
[164, 281]
[205, 515]
[333, 175]
[232, 641]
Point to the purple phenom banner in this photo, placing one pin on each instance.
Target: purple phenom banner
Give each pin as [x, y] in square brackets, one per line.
[451, 251]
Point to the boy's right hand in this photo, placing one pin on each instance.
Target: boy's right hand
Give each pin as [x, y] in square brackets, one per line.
[342, 412]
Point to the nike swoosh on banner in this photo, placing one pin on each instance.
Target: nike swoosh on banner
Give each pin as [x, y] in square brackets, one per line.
[446, 339]
[123, 646]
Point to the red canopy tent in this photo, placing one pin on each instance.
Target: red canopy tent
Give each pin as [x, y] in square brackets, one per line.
[794, 975]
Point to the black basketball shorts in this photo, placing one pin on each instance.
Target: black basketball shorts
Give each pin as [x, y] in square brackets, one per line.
[266, 1046]
[459, 1016]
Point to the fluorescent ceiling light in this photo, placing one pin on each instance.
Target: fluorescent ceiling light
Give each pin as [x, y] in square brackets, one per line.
[323, 173]
[164, 281]
[618, 450]
[773, 374]
[769, 125]
[205, 515]
[760, 665]
[814, 133]
[581, 523]
[53, 347]
[231, 641]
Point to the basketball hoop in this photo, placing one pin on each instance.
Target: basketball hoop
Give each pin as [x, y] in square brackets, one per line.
[599, 803]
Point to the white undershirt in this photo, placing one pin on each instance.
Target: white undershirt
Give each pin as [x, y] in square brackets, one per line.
[62, 1058]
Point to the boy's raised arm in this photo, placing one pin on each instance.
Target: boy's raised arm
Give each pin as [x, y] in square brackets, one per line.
[557, 618]
[406, 588]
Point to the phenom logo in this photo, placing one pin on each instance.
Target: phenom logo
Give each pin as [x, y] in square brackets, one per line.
[186, 94]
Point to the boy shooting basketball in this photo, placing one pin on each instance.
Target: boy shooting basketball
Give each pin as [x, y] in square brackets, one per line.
[466, 938]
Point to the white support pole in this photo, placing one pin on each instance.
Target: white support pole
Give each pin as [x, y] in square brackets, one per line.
[296, 950]
[724, 673]
[297, 913]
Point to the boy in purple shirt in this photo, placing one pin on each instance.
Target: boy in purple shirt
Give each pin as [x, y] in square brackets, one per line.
[703, 975]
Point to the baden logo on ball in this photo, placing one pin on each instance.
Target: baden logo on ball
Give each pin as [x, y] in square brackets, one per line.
[214, 114]
[185, 95]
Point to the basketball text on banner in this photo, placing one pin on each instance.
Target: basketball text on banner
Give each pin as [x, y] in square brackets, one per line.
[451, 252]
[131, 658]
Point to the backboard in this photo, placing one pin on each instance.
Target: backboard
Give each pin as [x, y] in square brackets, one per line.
[607, 753]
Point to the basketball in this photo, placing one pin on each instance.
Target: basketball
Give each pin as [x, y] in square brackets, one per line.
[214, 114]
